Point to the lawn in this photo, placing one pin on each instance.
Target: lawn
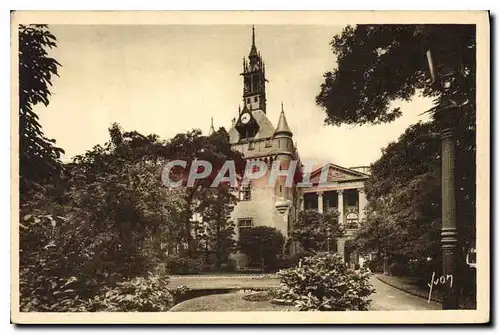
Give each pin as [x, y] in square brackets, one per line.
[233, 302]
[226, 281]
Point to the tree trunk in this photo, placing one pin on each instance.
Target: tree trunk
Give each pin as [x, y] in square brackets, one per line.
[187, 222]
[386, 270]
[218, 255]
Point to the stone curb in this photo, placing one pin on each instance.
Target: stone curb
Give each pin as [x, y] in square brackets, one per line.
[253, 276]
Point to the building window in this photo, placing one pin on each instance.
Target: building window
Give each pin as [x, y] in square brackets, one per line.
[351, 220]
[352, 198]
[245, 193]
[251, 146]
[245, 223]
[255, 99]
[269, 143]
[248, 100]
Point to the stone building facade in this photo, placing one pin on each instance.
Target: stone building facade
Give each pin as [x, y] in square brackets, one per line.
[253, 134]
[343, 190]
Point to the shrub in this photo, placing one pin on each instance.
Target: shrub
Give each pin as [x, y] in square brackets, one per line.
[177, 265]
[262, 244]
[314, 230]
[397, 269]
[207, 268]
[288, 261]
[376, 265]
[422, 269]
[323, 283]
[141, 294]
[228, 267]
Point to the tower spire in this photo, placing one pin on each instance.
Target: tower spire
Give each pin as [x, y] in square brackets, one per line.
[253, 34]
[253, 51]
[212, 129]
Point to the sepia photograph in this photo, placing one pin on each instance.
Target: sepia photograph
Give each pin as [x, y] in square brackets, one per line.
[249, 165]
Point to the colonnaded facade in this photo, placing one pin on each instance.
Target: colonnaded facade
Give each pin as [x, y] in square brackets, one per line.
[253, 134]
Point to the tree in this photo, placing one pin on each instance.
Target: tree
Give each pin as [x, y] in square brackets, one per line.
[39, 158]
[314, 231]
[262, 244]
[404, 198]
[377, 64]
[193, 146]
[218, 233]
[122, 191]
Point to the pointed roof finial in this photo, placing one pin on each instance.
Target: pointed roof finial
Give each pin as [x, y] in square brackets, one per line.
[253, 50]
[212, 129]
[282, 107]
[253, 34]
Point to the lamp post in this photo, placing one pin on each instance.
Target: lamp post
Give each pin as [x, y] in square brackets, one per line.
[445, 115]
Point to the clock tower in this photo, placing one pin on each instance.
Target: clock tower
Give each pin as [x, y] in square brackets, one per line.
[254, 79]
[254, 135]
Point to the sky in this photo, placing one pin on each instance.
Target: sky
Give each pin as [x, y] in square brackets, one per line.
[167, 79]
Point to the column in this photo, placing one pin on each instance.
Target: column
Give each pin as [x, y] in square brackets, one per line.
[340, 206]
[320, 201]
[361, 204]
[301, 198]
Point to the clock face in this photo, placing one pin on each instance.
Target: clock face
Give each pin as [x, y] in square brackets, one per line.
[245, 118]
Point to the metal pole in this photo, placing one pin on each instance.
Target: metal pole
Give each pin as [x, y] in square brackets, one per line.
[449, 240]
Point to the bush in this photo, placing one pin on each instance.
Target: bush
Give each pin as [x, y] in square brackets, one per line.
[141, 294]
[314, 230]
[207, 268]
[295, 258]
[422, 270]
[398, 269]
[228, 267]
[376, 265]
[323, 283]
[177, 265]
[289, 261]
[262, 245]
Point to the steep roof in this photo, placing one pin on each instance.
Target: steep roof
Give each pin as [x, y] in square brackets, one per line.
[283, 129]
[266, 128]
